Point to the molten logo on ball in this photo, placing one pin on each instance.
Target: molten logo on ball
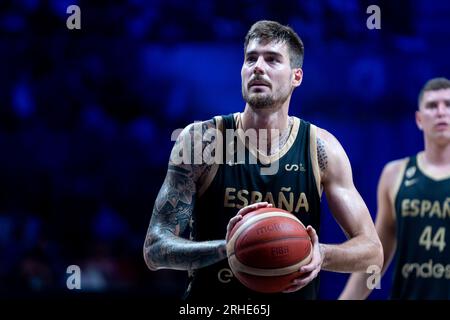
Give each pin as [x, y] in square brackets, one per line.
[270, 228]
[267, 248]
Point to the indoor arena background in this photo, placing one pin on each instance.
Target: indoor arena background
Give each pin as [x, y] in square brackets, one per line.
[86, 118]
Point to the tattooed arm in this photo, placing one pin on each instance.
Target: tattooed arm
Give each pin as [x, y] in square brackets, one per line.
[164, 247]
[363, 248]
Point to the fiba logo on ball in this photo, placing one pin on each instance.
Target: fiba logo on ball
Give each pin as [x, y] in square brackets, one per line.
[267, 248]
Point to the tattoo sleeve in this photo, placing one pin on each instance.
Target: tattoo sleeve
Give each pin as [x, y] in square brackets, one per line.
[322, 155]
[172, 212]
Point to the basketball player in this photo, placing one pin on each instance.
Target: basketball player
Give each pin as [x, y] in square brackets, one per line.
[209, 199]
[414, 208]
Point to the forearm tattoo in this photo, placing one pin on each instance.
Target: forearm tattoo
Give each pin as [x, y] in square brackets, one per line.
[181, 254]
[322, 155]
[172, 213]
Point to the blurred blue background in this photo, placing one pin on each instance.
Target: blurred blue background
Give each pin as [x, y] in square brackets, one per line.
[86, 117]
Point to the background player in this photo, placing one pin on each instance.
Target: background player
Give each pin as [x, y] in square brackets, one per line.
[414, 208]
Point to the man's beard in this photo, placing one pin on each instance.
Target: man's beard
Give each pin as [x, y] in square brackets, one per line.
[260, 101]
[263, 101]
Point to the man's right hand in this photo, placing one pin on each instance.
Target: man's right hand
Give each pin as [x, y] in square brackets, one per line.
[241, 213]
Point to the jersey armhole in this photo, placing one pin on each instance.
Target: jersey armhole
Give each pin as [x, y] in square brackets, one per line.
[314, 158]
[397, 183]
[209, 177]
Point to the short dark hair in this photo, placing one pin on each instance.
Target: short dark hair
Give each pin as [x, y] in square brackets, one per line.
[265, 30]
[434, 84]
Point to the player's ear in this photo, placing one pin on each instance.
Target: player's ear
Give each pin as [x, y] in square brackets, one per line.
[419, 120]
[297, 77]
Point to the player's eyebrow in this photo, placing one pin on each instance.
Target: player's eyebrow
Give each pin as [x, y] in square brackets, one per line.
[435, 102]
[265, 52]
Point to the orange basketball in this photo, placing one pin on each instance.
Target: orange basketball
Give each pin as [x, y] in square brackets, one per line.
[267, 248]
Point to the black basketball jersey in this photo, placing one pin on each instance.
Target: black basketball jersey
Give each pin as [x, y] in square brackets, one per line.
[236, 183]
[422, 207]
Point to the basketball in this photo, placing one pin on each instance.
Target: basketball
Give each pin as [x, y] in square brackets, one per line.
[266, 249]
